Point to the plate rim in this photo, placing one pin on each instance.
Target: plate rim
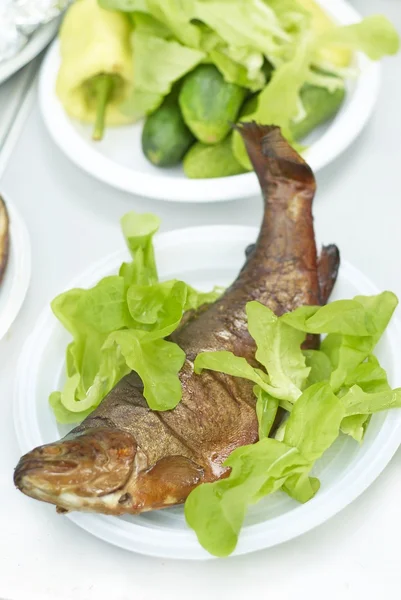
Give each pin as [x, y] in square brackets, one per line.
[21, 246]
[341, 133]
[301, 519]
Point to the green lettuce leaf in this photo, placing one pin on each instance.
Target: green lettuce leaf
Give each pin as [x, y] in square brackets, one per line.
[119, 325]
[370, 377]
[375, 36]
[154, 78]
[124, 5]
[98, 310]
[362, 316]
[355, 426]
[381, 308]
[279, 101]
[158, 309]
[139, 230]
[347, 317]
[102, 307]
[319, 365]
[266, 411]
[348, 351]
[278, 350]
[240, 65]
[317, 415]
[157, 363]
[148, 25]
[301, 488]
[195, 299]
[216, 511]
[157, 17]
[176, 15]
[314, 422]
[357, 402]
[64, 415]
[224, 361]
[345, 352]
[84, 355]
[83, 391]
[146, 304]
[236, 36]
[252, 24]
[354, 328]
[312, 427]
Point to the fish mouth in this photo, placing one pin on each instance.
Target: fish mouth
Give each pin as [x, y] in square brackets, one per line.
[83, 470]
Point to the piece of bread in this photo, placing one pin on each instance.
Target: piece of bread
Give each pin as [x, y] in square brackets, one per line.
[4, 238]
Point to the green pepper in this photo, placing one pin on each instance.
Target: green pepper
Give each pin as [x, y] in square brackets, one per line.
[96, 70]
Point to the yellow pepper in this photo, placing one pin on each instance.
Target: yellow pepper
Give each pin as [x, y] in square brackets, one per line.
[96, 70]
[321, 22]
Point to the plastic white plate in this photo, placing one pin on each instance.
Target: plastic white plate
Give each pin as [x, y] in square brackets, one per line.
[15, 283]
[118, 159]
[206, 256]
[36, 43]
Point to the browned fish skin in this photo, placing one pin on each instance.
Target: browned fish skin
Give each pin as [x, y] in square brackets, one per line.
[125, 458]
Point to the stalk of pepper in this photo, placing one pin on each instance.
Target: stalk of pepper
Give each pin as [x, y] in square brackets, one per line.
[103, 89]
[96, 70]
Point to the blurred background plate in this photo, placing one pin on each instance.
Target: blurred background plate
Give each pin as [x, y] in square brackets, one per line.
[36, 43]
[14, 285]
[119, 161]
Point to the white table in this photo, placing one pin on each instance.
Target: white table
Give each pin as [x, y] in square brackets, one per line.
[73, 220]
[12, 93]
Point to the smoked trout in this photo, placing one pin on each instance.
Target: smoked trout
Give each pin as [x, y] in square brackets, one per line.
[126, 458]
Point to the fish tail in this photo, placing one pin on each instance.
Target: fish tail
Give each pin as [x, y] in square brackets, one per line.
[266, 142]
[284, 260]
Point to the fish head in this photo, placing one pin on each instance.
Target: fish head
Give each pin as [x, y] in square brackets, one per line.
[82, 468]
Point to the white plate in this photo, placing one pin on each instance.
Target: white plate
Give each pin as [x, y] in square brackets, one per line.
[36, 43]
[206, 256]
[14, 285]
[118, 159]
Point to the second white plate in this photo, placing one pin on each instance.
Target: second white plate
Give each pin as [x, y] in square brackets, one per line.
[204, 257]
[15, 283]
[119, 161]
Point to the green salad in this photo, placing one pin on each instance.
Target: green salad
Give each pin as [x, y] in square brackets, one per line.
[325, 393]
[191, 68]
[121, 324]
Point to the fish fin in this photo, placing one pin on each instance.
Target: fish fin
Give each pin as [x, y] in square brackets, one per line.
[266, 141]
[311, 342]
[327, 268]
[169, 481]
[327, 271]
[249, 249]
